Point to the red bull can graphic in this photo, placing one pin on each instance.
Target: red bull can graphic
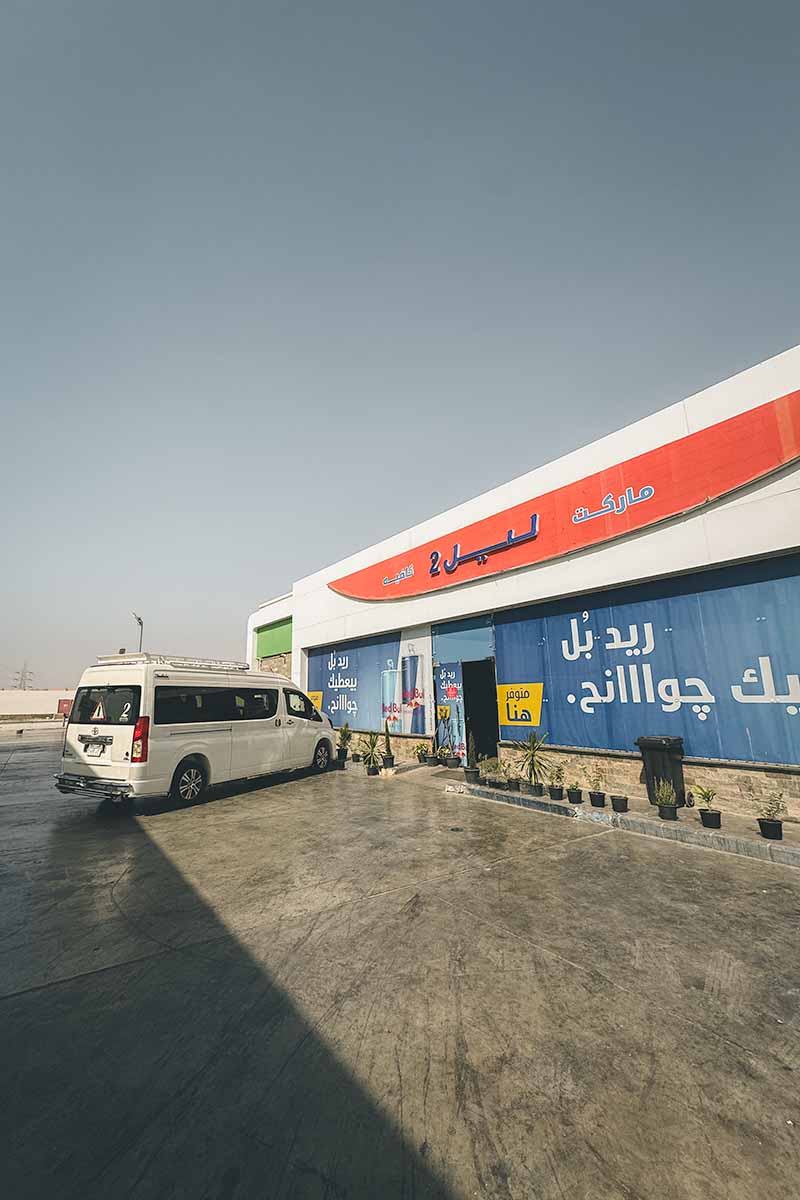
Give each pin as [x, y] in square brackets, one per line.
[391, 709]
[413, 694]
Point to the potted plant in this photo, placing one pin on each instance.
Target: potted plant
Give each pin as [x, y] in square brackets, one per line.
[619, 804]
[556, 787]
[443, 753]
[574, 793]
[345, 736]
[666, 800]
[356, 756]
[533, 763]
[770, 822]
[453, 760]
[432, 757]
[471, 772]
[710, 818]
[371, 753]
[421, 750]
[388, 757]
[597, 797]
[493, 773]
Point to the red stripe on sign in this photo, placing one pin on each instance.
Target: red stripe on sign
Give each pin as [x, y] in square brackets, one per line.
[673, 479]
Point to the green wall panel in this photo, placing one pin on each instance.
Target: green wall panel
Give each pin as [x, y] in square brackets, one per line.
[274, 639]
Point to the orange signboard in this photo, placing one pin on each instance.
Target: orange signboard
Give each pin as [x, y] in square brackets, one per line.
[676, 478]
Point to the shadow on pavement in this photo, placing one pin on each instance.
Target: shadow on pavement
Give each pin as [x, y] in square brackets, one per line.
[160, 1059]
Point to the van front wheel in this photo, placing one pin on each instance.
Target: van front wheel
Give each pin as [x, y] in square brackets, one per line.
[322, 757]
[189, 782]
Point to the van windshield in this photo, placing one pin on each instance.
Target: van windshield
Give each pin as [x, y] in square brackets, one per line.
[110, 705]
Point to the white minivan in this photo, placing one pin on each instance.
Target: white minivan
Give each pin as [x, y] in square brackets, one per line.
[153, 725]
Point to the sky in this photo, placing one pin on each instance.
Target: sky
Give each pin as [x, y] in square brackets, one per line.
[280, 279]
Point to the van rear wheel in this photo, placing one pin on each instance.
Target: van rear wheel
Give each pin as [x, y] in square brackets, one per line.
[189, 781]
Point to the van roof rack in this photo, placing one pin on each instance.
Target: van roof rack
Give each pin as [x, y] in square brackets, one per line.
[178, 661]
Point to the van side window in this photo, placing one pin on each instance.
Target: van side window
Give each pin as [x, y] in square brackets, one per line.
[190, 705]
[298, 705]
[252, 705]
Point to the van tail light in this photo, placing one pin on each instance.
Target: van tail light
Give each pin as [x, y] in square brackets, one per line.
[141, 740]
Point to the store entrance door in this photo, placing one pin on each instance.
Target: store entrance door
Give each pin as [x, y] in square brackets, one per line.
[480, 706]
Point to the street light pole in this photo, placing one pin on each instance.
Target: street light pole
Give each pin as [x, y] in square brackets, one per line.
[140, 623]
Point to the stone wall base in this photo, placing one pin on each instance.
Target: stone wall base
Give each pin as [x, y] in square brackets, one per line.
[740, 788]
[280, 663]
[402, 744]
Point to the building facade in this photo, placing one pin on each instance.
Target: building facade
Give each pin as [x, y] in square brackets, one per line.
[648, 583]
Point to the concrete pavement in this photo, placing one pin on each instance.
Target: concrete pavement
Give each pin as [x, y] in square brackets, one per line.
[341, 987]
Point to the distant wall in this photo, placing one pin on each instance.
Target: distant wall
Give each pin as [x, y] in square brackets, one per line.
[32, 702]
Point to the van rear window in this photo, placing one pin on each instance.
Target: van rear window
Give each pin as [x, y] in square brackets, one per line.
[111, 705]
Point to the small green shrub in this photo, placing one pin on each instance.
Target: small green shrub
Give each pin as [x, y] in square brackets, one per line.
[471, 758]
[665, 792]
[533, 760]
[773, 808]
[345, 736]
[369, 749]
[704, 795]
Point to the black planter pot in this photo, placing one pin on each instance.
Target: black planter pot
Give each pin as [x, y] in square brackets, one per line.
[471, 775]
[432, 760]
[513, 785]
[597, 799]
[773, 830]
[341, 754]
[481, 779]
[372, 770]
[619, 804]
[453, 761]
[538, 789]
[388, 760]
[575, 795]
[421, 757]
[556, 793]
[668, 812]
[497, 782]
[710, 818]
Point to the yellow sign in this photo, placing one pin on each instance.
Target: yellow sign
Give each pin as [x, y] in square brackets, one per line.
[519, 704]
[316, 699]
[442, 712]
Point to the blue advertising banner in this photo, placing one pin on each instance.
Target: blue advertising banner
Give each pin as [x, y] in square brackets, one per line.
[360, 683]
[451, 729]
[712, 657]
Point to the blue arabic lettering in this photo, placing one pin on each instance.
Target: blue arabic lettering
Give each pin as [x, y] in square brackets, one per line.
[616, 506]
[482, 556]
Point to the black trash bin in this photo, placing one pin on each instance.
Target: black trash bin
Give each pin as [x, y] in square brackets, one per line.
[663, 759]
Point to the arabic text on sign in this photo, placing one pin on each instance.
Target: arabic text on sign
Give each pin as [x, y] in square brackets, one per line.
[611, 506]
[481, 556]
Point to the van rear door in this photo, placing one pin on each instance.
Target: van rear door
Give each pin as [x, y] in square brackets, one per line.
[99, 735]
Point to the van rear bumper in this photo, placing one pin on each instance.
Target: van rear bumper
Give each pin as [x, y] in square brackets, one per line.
[92, 786]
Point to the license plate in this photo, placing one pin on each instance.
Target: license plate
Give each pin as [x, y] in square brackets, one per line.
[94, 749]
